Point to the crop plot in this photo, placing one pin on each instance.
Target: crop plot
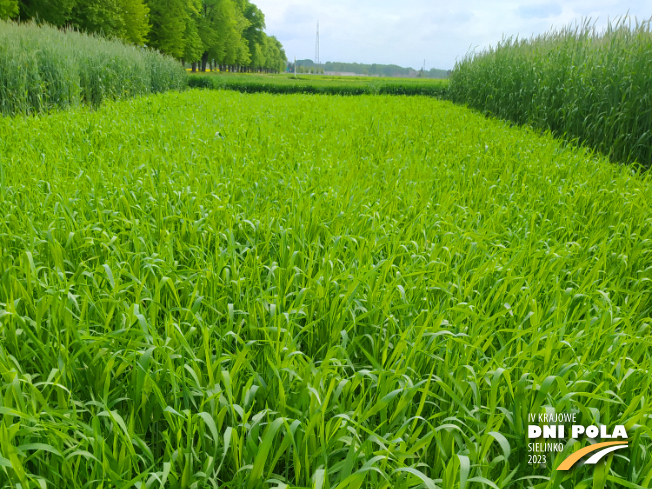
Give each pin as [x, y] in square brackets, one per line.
[212, 289]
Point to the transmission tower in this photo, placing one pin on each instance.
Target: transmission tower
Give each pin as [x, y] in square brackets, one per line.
[317, 47]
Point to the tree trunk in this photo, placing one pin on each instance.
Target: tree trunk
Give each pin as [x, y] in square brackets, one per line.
[194, 67]
[204, 60]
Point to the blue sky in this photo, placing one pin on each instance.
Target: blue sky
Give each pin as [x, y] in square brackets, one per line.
[407, 32]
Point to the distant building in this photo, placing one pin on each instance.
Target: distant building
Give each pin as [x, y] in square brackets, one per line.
[344, 73]
[410, 74]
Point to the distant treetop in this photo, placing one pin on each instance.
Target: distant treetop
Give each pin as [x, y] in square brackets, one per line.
[372, 69]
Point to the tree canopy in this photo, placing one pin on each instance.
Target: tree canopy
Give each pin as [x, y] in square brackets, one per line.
[223, 32]
[8, 8]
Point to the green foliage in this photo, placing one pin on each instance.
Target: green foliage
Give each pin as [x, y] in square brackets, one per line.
[124, 19]
[104, 17]
[42, 68]
[8, 9]
[257, 55]
[253, 83]
[136, 21]
[212, 289]
[194, 48]
[229, 32]
[593, 87]
[223, 17]
[231, 43]
[254, 34]
[54, 12]
[242, 55]
[169, 19]
[275, 58]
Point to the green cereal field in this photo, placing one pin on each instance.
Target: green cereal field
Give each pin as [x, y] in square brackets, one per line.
[210, 289]
[319, 84]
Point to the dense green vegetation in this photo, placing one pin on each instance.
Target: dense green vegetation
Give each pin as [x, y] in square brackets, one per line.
[212, 289]
[375, 69]
[124, 19]
[226, 32]
[271, 59]
[42, 68]
[578, 83]
[331, 85]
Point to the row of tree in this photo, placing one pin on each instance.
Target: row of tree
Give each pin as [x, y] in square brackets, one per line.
[229, 33]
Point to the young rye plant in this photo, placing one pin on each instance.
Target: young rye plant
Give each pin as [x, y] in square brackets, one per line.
[42, 68]
[579, 83]
[372, 293]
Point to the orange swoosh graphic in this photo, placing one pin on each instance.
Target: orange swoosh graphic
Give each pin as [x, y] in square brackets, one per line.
[570, 461]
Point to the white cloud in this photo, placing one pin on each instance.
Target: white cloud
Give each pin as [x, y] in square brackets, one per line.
[406, 32]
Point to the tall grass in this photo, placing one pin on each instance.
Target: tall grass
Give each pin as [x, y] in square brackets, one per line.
[211, 289]
[42, 68]
[580, 83]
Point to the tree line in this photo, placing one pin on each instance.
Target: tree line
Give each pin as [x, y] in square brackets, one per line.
[228, 34]
[308, 66]
[384, 70]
